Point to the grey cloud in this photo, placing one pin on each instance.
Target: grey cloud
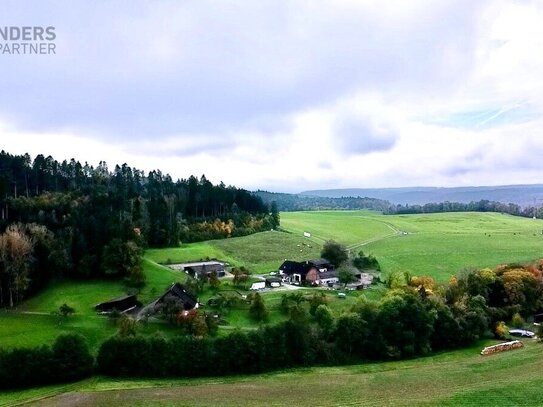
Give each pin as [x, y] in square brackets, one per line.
[134, 70]
[360, 135]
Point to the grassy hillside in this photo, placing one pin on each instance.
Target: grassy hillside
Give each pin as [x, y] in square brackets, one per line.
[438, 245]
[459, 378]
[32, 323]
[259, 253]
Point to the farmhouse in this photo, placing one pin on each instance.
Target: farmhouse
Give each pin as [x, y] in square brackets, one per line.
[318, 271]
[201, 269]
[121, 304]
[177, 291]
[328, 277]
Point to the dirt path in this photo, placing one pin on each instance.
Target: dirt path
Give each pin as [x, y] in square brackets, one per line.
[393, 228]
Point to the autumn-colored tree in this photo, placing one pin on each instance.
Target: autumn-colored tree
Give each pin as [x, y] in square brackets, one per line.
[501, 330]
[15, 259]
[425, 282]
[239, 277]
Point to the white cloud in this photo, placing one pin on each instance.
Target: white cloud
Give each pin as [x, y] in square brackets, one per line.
[287, 96]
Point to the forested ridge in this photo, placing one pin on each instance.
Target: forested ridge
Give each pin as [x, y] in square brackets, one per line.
[301, 202]
[69, 219]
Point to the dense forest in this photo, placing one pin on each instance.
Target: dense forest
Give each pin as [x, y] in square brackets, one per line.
[295, 202]
[74, 220]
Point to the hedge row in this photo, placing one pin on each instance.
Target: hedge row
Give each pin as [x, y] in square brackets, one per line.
[67, 360]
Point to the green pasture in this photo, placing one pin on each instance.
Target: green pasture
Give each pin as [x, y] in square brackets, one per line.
[259, 253]
[438, 245]
[347, 227]
[33, 324]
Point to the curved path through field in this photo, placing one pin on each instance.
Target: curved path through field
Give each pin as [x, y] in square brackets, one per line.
[392, 227]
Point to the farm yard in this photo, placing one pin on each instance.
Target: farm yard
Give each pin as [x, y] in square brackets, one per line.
[461, 377]
[435, 245]
[438, 245]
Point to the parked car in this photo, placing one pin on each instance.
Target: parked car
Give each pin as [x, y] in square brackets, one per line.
[522, 333]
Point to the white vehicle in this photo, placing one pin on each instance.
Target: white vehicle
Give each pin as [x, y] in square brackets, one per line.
[521, 332]
[259, 285]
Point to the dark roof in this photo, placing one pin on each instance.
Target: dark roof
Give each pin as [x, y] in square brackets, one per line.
[320, 262]
[328, 274]
[294, 267]
[120, 304]
[177, 290]
[205, 268]
[273, 280]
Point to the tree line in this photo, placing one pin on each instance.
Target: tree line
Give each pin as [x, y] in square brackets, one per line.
[68, 219]
[483, 205]
[295, 202]
[414, 318]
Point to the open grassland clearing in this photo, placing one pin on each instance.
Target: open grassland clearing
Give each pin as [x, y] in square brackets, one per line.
[454, 378]
[347, 227]
[437, 245]
[259, 253]
[33, 324]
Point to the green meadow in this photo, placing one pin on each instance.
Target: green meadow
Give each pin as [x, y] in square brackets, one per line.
[456, 378]
[438, 245]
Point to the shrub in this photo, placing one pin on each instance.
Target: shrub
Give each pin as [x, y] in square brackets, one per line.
[500, 332]
[71, 357]
[68, 360]
[517, 321]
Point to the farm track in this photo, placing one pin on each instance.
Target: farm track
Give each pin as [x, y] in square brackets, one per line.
[395, 230]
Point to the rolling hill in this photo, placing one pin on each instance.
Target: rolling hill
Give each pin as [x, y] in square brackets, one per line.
[523, 195]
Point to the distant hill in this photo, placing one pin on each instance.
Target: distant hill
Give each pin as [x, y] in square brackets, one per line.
[295, 202]
[522, 195]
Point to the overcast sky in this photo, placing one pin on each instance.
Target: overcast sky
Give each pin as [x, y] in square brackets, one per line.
[285, 95]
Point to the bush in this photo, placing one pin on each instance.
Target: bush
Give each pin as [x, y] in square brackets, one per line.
[501, 331]
[71, 358]
[25, 367]
[517, 321]
[68, 360]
